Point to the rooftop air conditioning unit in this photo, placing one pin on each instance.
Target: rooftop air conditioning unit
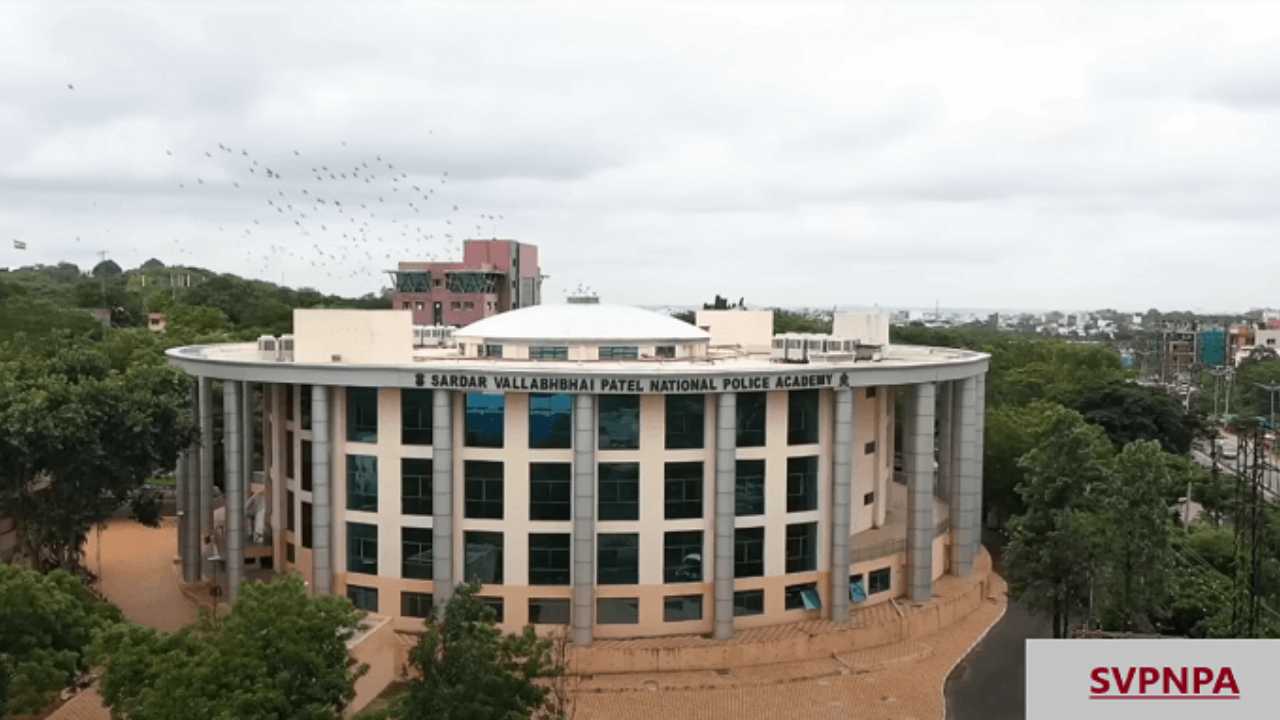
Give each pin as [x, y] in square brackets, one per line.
[266, 347]
[284, 353]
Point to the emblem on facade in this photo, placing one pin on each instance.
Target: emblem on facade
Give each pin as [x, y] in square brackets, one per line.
[420, 379]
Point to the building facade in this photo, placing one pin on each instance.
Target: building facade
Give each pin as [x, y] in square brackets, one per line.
[591, 466]
[493, 276]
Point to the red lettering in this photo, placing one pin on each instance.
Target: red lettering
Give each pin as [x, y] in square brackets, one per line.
[1203, 676]
[1226, 680]
[1147, 676]
[1123, 682]
[1100, 684]
[1175, 679]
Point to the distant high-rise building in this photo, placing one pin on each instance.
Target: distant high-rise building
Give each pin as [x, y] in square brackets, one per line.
[493, 276]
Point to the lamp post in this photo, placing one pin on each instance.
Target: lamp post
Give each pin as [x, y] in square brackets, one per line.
[1271, 389]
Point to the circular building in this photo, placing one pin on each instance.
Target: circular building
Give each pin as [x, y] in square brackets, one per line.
[603, 467]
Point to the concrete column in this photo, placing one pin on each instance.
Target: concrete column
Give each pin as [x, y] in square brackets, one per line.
[980, 429]
[442, 496]
[246, 436]
[192, 559]
[726, 485]
[841, 481]
[918, 457]
[321, 492]
[205, 505]
[584, 517]
[232, 443]
[946, 455]
[966, 494]
[180, 507]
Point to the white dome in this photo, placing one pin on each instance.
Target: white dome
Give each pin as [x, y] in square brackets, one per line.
[584, 322]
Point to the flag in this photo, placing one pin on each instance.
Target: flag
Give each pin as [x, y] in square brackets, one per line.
[19, 245]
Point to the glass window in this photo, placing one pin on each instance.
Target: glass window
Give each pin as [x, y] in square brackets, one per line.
[684, 426]
[494, 604]
[869, 498]
[491, 350]
[362, 482]
[682, 556]
[802, 547]
[550, 421]
[288, 455]
[748, 492]
[306, 465]
[363, 598]
[483, 562]
[879, 580]
[415, 486]
[548, 558]
[619, 352]
[362, 548]
[288, 402]
[306, 525]
[305, 401]
[665, 351]
[802, 417]
[618, 559]
[619, 422]
[415, 604]
[415, 417]
[288, 510]
[549, 491]
[751, 418]
[871, 392]
[748, 552]
[619, 491]
[618, 611]
[289, 554]
[683, 490]
[748, 602]
[549, 611]
[484, 420]
[869, 448]
[548, 352]
[803, 597]
[802, 483]
[415, 553]
[362, 414]
[681, 608]
[483, 489]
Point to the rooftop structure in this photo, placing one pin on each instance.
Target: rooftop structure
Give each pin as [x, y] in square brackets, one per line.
[591, 465]
[493, 276]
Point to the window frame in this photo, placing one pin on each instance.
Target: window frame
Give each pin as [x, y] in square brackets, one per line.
[618, 558]
[803, 486]
[483, 538]
[614, 494]
[477, 406]
[748, 552]
[359, 482]
[676, 549]
[684, 437]
[803, 410]
[420, 502]
[801, 547]
[746, 419]
[417, 408]
[358, 545]
[615, 410]
[667, 601]
[483, 496]
[740, 509]
[424, 542]
[678, 505]
[362, 421]
[554, 436]
[550, 561]
[550, 498]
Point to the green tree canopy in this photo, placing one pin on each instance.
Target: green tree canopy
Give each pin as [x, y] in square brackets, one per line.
[47, 622]
[106, 268]
[1128, 412]
[469, 670]
[279, 653]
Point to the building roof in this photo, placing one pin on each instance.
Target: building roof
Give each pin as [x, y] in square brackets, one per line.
[584, 322]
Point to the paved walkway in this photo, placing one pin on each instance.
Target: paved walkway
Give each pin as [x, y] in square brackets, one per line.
[903, 681]
[138, 573]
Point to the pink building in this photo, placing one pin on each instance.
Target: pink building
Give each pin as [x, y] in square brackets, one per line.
[494, 276]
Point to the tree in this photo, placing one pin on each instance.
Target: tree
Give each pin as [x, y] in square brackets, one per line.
[78, 438]
[1134, 546]
[469, 670]
[278, 653]
[152, 264]
[47, 622]
[1050, 555]
[1011, 432]
[1130, 412]
[106, 268]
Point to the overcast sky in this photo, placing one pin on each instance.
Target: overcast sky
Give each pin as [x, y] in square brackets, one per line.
[977, 155]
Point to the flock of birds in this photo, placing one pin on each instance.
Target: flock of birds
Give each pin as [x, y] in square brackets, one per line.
[340, 213]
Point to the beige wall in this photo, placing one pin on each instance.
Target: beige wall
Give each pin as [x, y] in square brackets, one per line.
[750, 329]
[872, 328]
[873, 421]
[357, 336]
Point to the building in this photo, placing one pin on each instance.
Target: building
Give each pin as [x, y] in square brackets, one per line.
[750, 330]
[1175, 352]
[1211, 347]
[493, 276]
[593, 466]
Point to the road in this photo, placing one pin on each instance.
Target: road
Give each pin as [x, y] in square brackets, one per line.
[990, 683]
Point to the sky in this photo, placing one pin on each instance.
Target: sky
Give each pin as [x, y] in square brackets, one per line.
[978, 155]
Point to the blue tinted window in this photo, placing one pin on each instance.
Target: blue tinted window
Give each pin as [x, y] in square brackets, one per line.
[619, 422]
[362, 482]
[362, 414]
[550, 421]
[484, 420]
[362, 548]
[684, 427]
[751, 418]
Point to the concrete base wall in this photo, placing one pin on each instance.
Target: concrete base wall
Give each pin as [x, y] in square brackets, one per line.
[379, 648]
